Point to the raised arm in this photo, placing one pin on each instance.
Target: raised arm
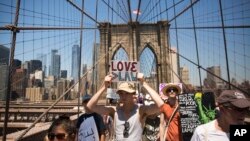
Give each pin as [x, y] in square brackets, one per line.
[92, 104]
[155, 96]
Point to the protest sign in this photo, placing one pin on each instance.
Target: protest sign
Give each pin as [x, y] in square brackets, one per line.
[124, 70]
[189, 115]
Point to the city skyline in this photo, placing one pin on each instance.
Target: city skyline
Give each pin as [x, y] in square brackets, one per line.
[209, 42]
[33, 66]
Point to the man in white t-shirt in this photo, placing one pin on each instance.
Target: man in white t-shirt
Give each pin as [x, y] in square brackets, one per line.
[233, 107]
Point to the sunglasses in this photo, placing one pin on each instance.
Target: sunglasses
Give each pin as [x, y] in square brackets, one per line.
[171, 90]
[126, 129]
[59, 136]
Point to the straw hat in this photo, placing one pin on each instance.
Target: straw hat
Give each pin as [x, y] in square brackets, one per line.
[171, 86]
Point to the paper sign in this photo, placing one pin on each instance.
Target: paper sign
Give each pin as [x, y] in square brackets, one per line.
[88, 130]
[124, 70]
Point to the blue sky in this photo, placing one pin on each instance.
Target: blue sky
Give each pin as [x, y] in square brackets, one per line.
[210, 41]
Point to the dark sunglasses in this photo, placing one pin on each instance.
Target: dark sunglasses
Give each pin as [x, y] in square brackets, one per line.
[59, 136]
[172, 90]
[126, 129]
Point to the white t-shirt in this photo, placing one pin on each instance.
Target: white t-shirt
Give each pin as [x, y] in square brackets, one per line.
[208, 132]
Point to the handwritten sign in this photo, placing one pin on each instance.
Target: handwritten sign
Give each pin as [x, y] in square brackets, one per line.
[88, 130]
[189, 115]
[124, 71]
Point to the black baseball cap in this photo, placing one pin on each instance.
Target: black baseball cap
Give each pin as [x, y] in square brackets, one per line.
[236, 98]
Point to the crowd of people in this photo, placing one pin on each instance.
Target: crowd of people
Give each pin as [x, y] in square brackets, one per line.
[126, 120]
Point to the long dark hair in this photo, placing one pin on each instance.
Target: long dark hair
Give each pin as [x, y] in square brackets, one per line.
[65, 122]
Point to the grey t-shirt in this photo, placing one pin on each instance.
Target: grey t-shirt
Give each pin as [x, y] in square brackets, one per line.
[208, 132]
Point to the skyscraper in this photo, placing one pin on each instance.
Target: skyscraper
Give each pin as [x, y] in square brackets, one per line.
[35, 94]
[213, 81]
[35, 65]
[184, 74]
[19, 83]
[39, 75]
[4, 55]
[75, 62]
[43, 59]
[173, 66]
[3, 78]
[19, 80]
[4, 61]
[95, 67]
[55, 64]
[64, 74]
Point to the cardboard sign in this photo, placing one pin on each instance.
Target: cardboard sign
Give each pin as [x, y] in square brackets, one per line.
[189, 115]
[195, 109]
[124, 70]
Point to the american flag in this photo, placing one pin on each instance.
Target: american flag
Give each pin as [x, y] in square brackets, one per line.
[137, 12]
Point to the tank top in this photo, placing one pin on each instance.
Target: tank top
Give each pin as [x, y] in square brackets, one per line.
[135, 127]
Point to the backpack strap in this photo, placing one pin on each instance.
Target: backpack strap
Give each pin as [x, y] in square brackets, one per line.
[170, 119]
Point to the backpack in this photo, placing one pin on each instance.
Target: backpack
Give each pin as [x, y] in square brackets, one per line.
[151, 128]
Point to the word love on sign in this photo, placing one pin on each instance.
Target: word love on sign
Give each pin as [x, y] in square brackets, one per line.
[124, 70]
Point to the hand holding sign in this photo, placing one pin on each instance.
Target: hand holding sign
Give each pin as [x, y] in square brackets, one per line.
[107, 80]
[140, 77]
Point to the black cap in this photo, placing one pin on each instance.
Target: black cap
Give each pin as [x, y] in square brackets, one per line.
[86, 97]
[234, 97]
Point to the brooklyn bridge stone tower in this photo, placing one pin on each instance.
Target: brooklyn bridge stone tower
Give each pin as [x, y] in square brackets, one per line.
[133, 38]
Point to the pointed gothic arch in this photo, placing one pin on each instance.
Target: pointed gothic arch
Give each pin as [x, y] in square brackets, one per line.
[147, 58]
[133, 37]
[116, 52]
